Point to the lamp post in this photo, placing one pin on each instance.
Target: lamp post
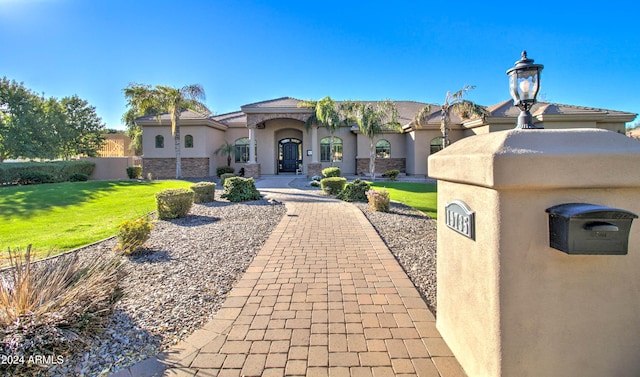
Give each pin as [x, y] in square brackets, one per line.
[524, 84]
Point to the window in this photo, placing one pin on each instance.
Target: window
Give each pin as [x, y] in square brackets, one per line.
[325, 149]
[159, 141]
[436, 144]
[242, 150]
[383, 149]
[188, 141]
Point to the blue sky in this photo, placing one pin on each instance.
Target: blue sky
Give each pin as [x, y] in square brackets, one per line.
[249, 51]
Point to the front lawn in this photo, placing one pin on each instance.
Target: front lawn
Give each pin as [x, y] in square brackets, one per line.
[63, 216]
[421, 196]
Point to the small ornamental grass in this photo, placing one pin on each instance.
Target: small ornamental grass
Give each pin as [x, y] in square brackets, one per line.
[132, 234]
[378, 200]
[204, 192]
[48, 307]
[174, 203]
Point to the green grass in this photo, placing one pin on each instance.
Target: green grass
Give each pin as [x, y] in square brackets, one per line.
[63, 216]
[421, 196]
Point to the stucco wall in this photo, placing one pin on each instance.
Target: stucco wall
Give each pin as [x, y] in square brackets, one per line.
[348, 163]
[508, 303]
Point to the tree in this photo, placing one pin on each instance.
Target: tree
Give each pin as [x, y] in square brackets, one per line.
[373, 119]
[82, 130]
[143, 99]
[329, 115]
[452, 103]
[226, 149]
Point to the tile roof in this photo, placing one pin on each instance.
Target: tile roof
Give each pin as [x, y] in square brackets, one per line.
[277, 102]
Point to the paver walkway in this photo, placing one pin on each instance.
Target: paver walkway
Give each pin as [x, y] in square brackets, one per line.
[323, 297]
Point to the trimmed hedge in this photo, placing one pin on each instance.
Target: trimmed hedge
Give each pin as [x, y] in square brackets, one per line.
[132, 234]
[205, 192]
[134, 172]
[331, 172]
[174, 203]
[224, 177]
[238, 189]
[12, 173]
[333, 185]
[391, 175]
[220, 170]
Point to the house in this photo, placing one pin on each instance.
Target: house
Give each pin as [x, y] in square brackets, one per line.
[270, 137]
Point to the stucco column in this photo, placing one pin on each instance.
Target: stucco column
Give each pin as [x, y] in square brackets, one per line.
[252, 145]
[314, 144]
[509, 304]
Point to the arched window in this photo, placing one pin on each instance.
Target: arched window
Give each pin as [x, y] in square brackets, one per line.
[159, 141]
[436, 144]
[188, 141]
[242, 150]
[325, 149]
[383, 149]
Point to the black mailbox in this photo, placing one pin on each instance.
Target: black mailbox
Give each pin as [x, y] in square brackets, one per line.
[582, 228]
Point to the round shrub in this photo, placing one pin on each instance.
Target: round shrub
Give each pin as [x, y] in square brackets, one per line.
[391, 175]
[355, 191]
[220, 170]
[132, 234]
[174, 203]
[78, 177]
[224, 177]
[238, 189]
[204, 192]
[134, 172]
[314, 183]
[316, 178]
[331, 172]
[333, 185]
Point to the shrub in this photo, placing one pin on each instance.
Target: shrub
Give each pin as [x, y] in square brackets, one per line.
[238, 189]
[35, 177]
[331, 172]
[316, 178]
[11, 173]
[223, 170]
[174, 203]
[47, 308]
[391, 175]
[78, 177]
[314, 183]
[224, 177]
[204, 192]
[134, 172]
[378, 200]
[333, 185]
[355, 191]
[132, 234]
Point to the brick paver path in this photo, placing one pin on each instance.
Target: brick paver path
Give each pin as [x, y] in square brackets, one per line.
[323, 297]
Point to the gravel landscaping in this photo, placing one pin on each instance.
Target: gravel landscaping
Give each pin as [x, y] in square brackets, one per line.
[181, 279]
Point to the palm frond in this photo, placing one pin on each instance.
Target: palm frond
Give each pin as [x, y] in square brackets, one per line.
[467, 109]
[422, 116]
[460, 93]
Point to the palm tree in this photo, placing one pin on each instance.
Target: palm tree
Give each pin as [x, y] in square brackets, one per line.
[144, 99]
[226, 149]
[326, 115]
[465, 109]
[372, 120]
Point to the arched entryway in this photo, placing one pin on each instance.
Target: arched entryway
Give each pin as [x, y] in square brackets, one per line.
[289, 155]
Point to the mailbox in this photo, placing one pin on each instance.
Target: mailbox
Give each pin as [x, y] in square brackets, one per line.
[582, 228]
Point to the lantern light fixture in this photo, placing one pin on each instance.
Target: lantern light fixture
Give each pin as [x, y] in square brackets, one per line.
[524, 84]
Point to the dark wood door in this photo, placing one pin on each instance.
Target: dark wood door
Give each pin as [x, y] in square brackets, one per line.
[290, 157]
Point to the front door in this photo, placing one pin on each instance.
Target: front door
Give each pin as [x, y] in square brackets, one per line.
[289, 155]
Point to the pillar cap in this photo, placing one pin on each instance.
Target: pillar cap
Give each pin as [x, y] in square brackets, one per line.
[567, 158]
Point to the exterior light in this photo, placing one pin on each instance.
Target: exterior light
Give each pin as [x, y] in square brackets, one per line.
[524, 84]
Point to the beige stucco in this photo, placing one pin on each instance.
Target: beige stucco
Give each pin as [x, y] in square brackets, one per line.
[508, 304]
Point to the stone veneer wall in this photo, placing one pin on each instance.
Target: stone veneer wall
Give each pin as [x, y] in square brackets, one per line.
[314, 169]
[252, 171]
[382, 165]
[163, 168]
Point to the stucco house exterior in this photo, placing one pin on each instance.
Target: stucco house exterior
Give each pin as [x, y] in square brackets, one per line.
[270, 137]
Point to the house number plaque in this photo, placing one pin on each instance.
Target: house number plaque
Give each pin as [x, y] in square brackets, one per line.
[460, 218]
